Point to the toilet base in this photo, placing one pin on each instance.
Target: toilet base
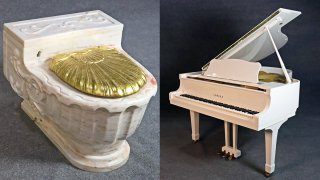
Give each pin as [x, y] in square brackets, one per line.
[116, 157]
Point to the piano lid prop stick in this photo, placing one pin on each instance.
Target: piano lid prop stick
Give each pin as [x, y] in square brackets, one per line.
[279, 57]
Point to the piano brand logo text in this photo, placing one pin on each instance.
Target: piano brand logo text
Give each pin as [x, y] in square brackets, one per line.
[218, 95]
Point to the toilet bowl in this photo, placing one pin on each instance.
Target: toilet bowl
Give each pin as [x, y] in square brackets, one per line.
[90, 131]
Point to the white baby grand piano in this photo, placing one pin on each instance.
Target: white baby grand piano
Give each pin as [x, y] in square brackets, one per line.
[228, 88]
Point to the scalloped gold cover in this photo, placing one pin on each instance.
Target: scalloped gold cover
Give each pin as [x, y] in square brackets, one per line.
[99, 71]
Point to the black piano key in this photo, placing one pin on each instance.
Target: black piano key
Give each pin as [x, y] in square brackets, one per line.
[220, 104]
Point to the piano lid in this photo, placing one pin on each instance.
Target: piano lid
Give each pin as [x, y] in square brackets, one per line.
[255, 45]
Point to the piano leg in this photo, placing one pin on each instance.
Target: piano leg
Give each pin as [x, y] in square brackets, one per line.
[226, 139]
[271, 134]
[234, 139]
[227, 150]
[195, 126]
[227, 133]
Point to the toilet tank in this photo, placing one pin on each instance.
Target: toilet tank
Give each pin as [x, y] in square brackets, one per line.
[34, 41]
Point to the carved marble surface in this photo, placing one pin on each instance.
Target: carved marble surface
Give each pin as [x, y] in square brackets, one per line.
[63, 25]
[60, 24]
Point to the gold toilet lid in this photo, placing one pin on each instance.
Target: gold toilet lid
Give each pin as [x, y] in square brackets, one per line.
[100, 71]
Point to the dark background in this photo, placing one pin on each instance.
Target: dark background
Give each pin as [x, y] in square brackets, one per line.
[25, 152]
[193, 33]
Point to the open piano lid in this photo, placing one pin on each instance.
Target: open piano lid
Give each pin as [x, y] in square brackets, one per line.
[256, 45]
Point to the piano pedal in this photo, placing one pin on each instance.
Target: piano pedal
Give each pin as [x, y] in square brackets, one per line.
[226, 156]
[231, 153]
[231, 157]
[222, 154]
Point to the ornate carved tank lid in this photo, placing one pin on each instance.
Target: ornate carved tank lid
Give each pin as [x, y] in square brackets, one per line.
[99, 71]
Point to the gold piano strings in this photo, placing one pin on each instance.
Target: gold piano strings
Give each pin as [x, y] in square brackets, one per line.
[243, 37]
[271, 77]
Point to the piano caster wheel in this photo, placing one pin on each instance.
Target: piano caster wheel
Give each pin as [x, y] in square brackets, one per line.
[266, 174]
[231, 157]
[194, 141]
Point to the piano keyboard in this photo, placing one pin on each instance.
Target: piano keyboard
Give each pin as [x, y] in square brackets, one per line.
[220, 104]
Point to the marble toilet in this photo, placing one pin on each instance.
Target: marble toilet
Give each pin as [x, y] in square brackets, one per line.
[89, 129]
